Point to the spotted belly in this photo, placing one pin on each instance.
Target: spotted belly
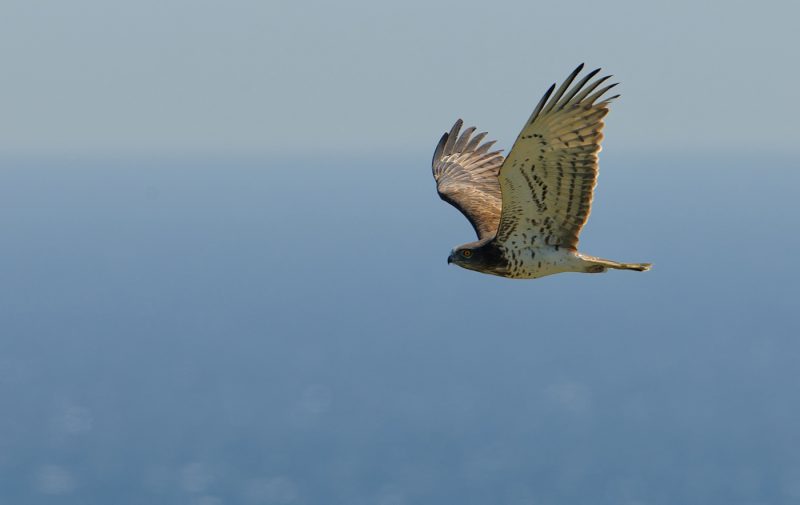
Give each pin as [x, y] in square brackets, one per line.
[532, 263]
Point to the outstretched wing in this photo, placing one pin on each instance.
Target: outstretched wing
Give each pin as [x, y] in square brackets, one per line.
[466, 177]
[548, 178]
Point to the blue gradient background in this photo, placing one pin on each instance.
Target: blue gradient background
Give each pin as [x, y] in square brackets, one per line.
[196, 308]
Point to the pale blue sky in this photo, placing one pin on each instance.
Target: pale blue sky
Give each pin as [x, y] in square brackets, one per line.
[177, 76]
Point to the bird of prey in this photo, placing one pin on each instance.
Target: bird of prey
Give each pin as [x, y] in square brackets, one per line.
[529, 207]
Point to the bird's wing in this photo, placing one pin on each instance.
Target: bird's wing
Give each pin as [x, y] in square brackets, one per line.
[548, 178]
[466, 177]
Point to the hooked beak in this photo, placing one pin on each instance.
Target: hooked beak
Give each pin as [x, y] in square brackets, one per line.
[450, 258]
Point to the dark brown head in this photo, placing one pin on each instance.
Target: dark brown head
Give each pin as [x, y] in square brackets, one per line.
[482, 256]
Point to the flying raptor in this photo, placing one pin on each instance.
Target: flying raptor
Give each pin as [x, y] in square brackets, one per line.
[529, 207]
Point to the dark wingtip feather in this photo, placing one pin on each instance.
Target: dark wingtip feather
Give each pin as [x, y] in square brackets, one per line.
[446, 142]
[593, 73]
[463, 139]
[437, 153]
[563, 88]
[575, 89]
[453, 137]
[541, 103]
[599, 93]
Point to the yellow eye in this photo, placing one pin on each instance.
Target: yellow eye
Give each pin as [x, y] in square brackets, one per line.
[466, 253]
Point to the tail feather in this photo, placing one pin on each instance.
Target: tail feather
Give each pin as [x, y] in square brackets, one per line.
[639, 267]
[597, 265]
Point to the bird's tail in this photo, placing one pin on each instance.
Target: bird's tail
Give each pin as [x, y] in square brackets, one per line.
[598, 265]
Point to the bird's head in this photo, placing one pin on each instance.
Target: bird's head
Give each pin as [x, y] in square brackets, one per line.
[464, 256]
[482, 256]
